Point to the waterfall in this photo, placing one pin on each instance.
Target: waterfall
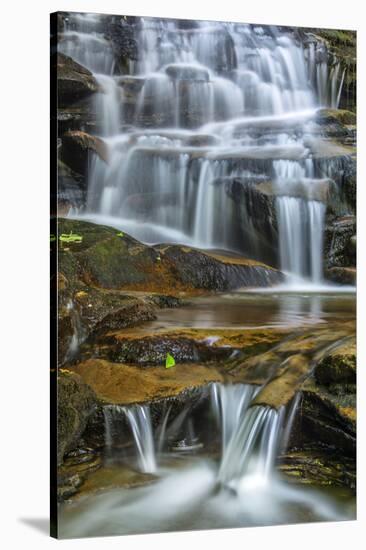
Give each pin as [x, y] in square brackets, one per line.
[78, 331]
[202, 106]
[251, 435]
[108, 104]
[139, 420]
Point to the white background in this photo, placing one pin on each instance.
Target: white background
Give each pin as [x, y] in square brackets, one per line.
[24, 243]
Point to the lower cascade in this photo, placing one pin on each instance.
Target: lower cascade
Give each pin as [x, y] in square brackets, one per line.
[242, 483]
[251, 435]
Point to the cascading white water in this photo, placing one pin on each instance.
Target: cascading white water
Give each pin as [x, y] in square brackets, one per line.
[212, 102]
[139, 420]
[251, 435]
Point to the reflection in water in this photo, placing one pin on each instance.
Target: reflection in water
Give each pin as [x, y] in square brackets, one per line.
[257, 310]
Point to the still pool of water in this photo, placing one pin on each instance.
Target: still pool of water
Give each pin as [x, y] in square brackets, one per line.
[259, 310]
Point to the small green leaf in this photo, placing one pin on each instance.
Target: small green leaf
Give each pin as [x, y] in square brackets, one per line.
[170, 361]
[71, 238]
[120, 234]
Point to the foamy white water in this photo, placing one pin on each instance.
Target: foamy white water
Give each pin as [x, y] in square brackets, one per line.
[224, 101]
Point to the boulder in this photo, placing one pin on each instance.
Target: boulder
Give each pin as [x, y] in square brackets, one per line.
[342, 275]
[107, 259]
[74, 82]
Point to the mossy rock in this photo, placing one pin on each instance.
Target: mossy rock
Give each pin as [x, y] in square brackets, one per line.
[107, 259]
[121, 384]
[323, 469]
[340, 116]
[75, 402]
[337, 367]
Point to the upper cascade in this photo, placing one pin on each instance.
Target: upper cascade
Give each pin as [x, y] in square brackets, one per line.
[202, 111]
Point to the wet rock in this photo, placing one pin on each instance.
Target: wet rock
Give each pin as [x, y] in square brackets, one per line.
[120, 384]
[338, 367]
[85, 311]
[71, 188]
[255, 208]
[327, 415]
[113, 477]
[327, 419]
[187, 72]
[81, 116]
[122, 37]
[338, 248]
[77, 466]
[74, 82]
[288, 379]
[204, 270]
[336, 117]
[342, 275]
[107, 260]
[75, 401]
[166, 301]
[76, 148]
[342, 170]
[341, 48]
[321, 469]
[201, 140]
[153, 350]
[68, 486]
